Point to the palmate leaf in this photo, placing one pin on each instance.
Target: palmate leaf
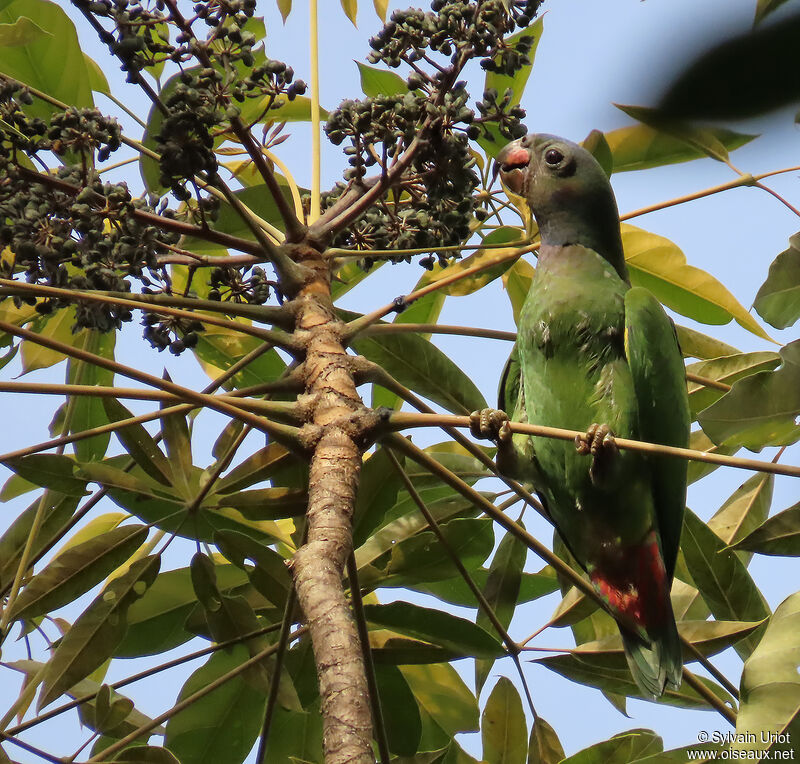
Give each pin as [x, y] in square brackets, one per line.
[609, 672]
[400, 711]
[659, 265]
[98, 630]
[501, 591]
[504, 732]
[77, 570]
[623, 748]
[441, 692]
[760, 410]
[221, 727]
[156, 621]
[420, 366]
[52, 62]
[640, 147]
[770, 687]
[52, 471]
[778, 299]
[722, 579]
[779, 535]
[56, 513]
[544, 747]
[727, 369]
[434, 626]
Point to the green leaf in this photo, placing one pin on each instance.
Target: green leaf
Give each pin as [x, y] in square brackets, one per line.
[702, 139]
[56, 513]
[295, 736]
[222, 726]
[517, 282]
[380, 82]
[491, 251]
[93, 637]
[145, 754]
[97, 78]
[609, 672]
[501, 82]
[441, 692]
[139, 443]
[504, 732]
[699, 441]
[597, 145]
[22, 32]
[640, 147]
[378, 487]
[778, 299]
[727, 369]
[426, 310]
[434, 626]
[256, 468]
[175, 434]
[660, 266]
[52, 61]
[77, 570]
[420, 366]
[722, 578]
[623, 748]
[53, 471]
[761, 409]
[156, 621]
[695, 344]
[501, 592]
[744, 510]
[779, 535]
[400, 711]
[87, 411]
[455, 591]
[269, 574]
[267, 503]
[422, 558]
[544, 747]
[770, 687]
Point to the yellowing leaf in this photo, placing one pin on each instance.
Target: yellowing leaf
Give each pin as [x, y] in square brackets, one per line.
[381, 7]
[285, 7]
[350, 8]
[659, 265]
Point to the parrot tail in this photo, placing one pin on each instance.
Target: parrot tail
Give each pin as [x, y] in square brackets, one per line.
[657, 665]
[636, 589]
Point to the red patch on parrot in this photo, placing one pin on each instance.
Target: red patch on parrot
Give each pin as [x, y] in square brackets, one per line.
[634, 584]
[518, 157]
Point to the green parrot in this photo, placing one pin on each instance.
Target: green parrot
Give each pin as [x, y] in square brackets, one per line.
[594, 354]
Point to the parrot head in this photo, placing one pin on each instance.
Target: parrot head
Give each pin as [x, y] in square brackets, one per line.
[567, 191]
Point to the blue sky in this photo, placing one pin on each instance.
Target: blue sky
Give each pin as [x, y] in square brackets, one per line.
[591, 55]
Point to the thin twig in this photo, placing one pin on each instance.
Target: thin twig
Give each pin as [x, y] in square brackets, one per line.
[404, 420]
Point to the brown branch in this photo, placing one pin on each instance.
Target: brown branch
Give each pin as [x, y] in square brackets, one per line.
[150, 218]
[281, 339]
[284, 434]
[294, 228]
[402, 420]
[709, 696]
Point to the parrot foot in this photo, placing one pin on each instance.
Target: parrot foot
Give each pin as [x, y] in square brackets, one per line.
[599, 442]
[490, 424]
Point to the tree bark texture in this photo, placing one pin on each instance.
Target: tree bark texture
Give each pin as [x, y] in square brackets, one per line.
[336, 421]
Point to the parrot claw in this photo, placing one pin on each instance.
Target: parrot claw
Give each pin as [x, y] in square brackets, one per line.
[599, 442]
[490, 424]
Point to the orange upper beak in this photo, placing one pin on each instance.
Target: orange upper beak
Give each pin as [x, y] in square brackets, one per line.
[512, 164]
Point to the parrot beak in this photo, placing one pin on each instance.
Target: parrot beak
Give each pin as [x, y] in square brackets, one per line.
[512, 164]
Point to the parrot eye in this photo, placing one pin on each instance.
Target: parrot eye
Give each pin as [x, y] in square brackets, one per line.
[553, 157]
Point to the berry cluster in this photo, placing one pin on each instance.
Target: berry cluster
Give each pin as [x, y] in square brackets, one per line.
[88, 241]
[231, 285]
[177, 334]
[432, 204]
[81, 131]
